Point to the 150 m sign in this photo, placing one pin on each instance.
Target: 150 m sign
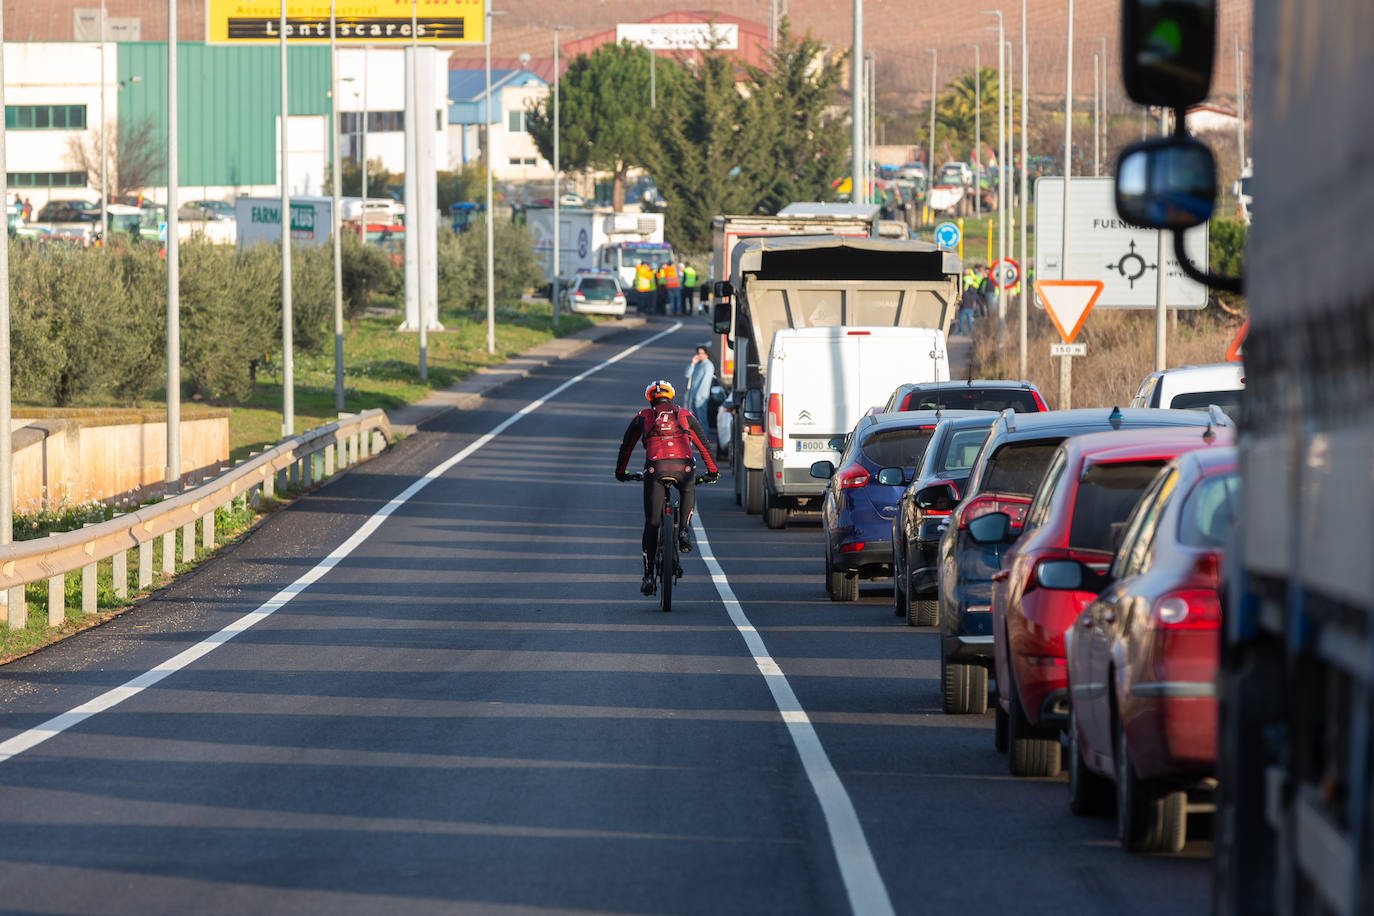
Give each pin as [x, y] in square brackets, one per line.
[372, 22]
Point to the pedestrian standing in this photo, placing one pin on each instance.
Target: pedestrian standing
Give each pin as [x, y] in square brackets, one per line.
[701, 372]
[644, 287]
[661, 291]
[27, 213]
[672, 283]
[689, 288]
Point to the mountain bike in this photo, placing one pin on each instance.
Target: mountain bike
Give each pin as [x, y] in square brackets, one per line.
[666, 568]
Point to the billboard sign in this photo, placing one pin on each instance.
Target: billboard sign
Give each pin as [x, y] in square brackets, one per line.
[1104, 247]
[379, 22]
[680, 36]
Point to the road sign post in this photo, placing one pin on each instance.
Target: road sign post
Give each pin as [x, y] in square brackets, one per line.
[1068, 303]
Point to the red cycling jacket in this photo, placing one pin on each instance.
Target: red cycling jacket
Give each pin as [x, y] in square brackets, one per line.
[668, 432]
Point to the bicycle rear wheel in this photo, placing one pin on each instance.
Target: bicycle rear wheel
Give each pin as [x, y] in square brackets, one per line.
[667, 558]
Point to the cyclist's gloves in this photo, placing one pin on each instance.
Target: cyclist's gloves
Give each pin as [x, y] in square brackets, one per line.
[708, 478]
[622, 476]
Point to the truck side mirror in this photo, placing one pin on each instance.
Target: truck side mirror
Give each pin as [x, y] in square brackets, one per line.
[752, 409]
[1166, 50]
[722, 289]
[721, 314]
[1168, 183]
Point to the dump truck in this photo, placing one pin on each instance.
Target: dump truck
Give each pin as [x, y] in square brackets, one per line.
[814, 281]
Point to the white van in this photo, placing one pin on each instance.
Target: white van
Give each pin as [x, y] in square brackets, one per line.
[819, 383]
[1194, 388]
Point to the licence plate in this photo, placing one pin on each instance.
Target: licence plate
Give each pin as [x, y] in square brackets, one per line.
[814, 445]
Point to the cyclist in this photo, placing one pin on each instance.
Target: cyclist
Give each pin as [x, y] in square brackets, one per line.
[668, 433]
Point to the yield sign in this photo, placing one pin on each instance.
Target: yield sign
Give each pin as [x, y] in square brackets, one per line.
[1233, 352]
[1068, 302]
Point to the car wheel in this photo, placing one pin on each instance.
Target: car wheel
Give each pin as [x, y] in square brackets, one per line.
[901, 598]
[774, 517]
[1147, 820]
[999, 728]
[1031, 751]
[753, 491]
[1089, 793]
[926, 612]
[844, 586]
[965, 688]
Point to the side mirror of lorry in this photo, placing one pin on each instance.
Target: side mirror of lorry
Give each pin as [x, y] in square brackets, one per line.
[1167, 48]
[721, 314]
[722, 289]
[1168, 183]
[822, 470]
[752, 409]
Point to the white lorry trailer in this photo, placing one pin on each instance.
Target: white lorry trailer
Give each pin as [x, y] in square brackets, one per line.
[810, 282]
[598, 239]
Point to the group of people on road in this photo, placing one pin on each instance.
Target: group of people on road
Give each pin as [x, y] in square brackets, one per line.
[979, 293]
[669, 289]
[25, 208]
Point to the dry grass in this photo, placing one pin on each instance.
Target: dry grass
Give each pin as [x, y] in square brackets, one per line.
[1121, 351]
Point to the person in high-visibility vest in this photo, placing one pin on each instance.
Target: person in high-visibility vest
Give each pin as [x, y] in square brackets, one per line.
[644, 286]
[661, 297]
[689, 287]
[672, 282]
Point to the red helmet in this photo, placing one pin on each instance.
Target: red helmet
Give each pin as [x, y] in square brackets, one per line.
[659, 389]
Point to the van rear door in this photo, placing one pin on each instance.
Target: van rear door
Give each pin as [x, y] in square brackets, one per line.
[818, 376]
[891, 357]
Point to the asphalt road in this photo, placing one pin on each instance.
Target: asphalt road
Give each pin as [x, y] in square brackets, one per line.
[476, 711]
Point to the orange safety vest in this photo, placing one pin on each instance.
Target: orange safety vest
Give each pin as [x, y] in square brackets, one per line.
[670, 277]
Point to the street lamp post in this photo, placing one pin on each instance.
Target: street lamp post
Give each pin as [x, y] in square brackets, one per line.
[362, 143]
[1001, 175]
[173, 476]
[1026, 290]
[856, 134]
[335, 226]
[1066, 362]
[1097, 117]
[14, 596]
[557, 188]
[491, 227]
[930, 144]
[415, 220]
[104, 144]
[977, 130]
[870, 105]
[288, 370]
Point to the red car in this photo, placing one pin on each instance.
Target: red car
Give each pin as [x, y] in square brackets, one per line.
[1142, 658]
[1053, 570]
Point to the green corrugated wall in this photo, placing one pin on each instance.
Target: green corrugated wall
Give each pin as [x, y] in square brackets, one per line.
[228, 102]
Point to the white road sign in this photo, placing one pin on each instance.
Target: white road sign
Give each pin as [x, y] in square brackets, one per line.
[679, 36]
[1069, 349]
[1102, 246]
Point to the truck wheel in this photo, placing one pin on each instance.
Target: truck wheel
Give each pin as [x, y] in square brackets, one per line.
[1147, 820]
[753, 491]
[1031, 751]
[774, 516]
[1089, 793]
[964, 688]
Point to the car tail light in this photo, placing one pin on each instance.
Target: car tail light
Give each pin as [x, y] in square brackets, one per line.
[775, 421]
[1014, 506]
[1186, 609]
[852, 477]
[579, 297]
[619, 299]
[1208, 569]
[859, 333]
[1039, 401]
[852, 547]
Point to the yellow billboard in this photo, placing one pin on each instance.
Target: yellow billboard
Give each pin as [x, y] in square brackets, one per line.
[356, 22]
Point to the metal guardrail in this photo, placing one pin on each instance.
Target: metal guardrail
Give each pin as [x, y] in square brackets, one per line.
[298, 462]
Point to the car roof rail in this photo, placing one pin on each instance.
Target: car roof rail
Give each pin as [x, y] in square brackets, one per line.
[1009, 415]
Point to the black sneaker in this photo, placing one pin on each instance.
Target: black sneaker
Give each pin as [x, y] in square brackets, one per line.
[684, 542]
[646, 587]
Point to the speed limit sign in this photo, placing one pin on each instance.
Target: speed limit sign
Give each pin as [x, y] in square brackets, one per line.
[1006, 273]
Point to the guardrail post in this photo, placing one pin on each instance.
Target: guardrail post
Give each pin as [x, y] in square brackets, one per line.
[119, 573]
[365, 440]
[169, 552]
[353, 443]
[378, 442]
[294, 474]
[88, 586]
[207, 530]
[308, 470]
[340, 451]
[329, 460]
[188, 542]
[145, 564]
[17, 612]
[57, 600]
[268, 486]
[283, 480]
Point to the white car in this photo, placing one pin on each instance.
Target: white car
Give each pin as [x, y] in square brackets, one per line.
[595, 292]
[962, 169]
[911, 170]
[1194, 388]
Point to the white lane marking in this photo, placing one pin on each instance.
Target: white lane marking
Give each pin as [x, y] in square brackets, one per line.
[111, 698]
[863, 883]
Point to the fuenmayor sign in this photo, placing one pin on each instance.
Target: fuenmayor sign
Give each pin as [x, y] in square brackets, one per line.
[377, 22]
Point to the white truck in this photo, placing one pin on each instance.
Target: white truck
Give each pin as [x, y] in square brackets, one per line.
[813, 282]
[826, 219]
[259, 220]
[598, 239]
[820, 382]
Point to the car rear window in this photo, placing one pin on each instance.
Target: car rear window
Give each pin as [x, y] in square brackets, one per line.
[975, 398]
[1228, 401]
[1106, 495]
[1017, 468]
[961, 448]
[597, 287]
[897, 447]
[1209, 512]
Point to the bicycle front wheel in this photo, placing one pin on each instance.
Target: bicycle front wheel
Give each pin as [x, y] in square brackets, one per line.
[667, 560]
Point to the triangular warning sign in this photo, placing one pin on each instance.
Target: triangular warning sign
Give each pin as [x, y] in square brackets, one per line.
[1068, 302]
[1236, 350]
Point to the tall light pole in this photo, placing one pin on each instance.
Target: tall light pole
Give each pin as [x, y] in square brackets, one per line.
[14, 596]
[104, 144]
[930, 144]
[1102, 96]
[557, 190]
[288, 370]
[491, 203]
[1066, 362]
[1240, 97]
[1026, 290]
[335, 226]
[1001, 176]
[870, 108]
[173, 477]
[977, 130]
[856, 137]
[416, 221]
[362, 144]
[1097, 116]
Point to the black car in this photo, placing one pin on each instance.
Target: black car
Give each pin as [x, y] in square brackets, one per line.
[1006, 473]
[860, 502]
[973, 394]
[68, 211]
[923, 513]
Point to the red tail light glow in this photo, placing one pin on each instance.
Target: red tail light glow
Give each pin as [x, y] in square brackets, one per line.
[1039, 401]
[1014, 506]
[852, 477]
[852, 547]
[1186, 609]
[775, 421]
